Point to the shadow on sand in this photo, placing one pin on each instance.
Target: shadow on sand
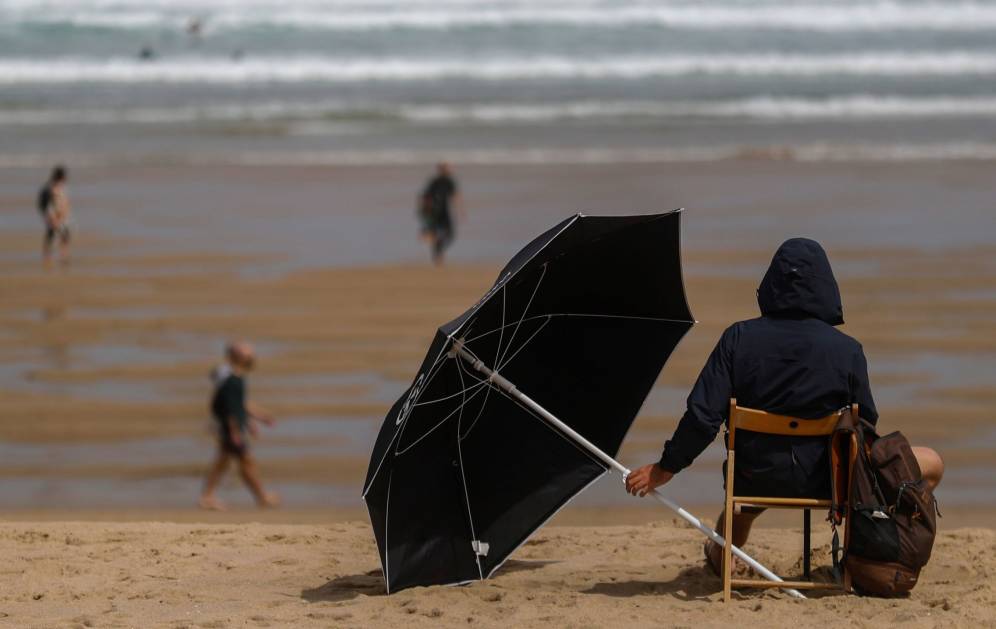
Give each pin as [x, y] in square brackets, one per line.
[347, 587]
[520, 565]
[371, 583]
[691, 584]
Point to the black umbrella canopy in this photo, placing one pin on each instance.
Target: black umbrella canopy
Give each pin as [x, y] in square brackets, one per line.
[582, 320]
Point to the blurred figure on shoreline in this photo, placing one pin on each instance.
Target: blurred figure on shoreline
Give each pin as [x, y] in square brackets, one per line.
[438, 201]
[53, 203]
[236, 419]
[195, 27]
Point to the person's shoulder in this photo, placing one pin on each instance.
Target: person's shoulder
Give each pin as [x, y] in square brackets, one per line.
[849, 341]
[231, 381]
[739, 327]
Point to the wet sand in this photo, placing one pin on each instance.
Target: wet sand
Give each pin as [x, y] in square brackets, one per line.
[103, 391]
[105, 368]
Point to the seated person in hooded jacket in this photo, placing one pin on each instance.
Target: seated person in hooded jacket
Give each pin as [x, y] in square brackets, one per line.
[791, 361]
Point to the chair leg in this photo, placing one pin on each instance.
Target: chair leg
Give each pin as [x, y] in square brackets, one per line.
[848, 586]
[728, 531]
[806, 534]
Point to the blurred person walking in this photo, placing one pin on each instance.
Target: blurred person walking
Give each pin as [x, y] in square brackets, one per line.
[236, 419]
[53, 204]
[438, 201]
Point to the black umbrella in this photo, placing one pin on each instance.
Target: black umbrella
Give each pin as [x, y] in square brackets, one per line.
[466, 466]
[583, 320]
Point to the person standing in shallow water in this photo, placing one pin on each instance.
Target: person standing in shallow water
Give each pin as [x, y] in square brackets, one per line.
[53, 204]
[436, 206]
[235, 419]
[790, 361]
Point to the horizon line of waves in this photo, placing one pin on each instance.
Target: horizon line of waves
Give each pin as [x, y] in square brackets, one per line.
[843, 107]
[884, 16]
[296, 69]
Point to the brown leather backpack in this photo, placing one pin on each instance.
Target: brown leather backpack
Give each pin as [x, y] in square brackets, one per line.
[891, 513]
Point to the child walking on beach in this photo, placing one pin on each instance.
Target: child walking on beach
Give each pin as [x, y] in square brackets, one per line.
[235, 417]
[53, 203]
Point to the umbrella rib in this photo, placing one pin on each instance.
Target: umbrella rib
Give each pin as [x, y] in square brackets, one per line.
[434, 370]
[502, 363]
[484, 404]
[463, 477]
[525, 311]
[510, 358]
[523, 346]
[452, 395]
[501, 335]
[580, 314]
[487, 395]
[398, 452]
[387, 546]
[440, 361]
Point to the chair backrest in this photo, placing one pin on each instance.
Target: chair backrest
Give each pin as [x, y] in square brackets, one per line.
[760, 421]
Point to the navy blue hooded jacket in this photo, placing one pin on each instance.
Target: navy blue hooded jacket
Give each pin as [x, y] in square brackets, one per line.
[790, 361]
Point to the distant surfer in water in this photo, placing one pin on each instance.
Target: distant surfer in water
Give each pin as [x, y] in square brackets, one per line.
[236, 419]
[436, 206]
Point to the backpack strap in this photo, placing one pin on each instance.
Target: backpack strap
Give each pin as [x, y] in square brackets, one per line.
[843, 453]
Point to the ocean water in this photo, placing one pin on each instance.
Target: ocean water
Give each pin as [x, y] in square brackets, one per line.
[405, 81]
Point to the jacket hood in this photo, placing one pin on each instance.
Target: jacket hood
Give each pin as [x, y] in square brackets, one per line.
[800, 284]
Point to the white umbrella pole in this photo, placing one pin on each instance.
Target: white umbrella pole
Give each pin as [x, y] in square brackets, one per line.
[500, 382]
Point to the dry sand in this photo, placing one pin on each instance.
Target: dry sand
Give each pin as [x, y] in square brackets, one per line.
[270, 575]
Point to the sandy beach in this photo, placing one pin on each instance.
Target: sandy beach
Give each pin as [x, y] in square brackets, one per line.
[70, 574]
[104, 430]
[251, 171]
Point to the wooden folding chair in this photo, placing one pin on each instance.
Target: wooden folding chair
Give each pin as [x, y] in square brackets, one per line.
[759, 421]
